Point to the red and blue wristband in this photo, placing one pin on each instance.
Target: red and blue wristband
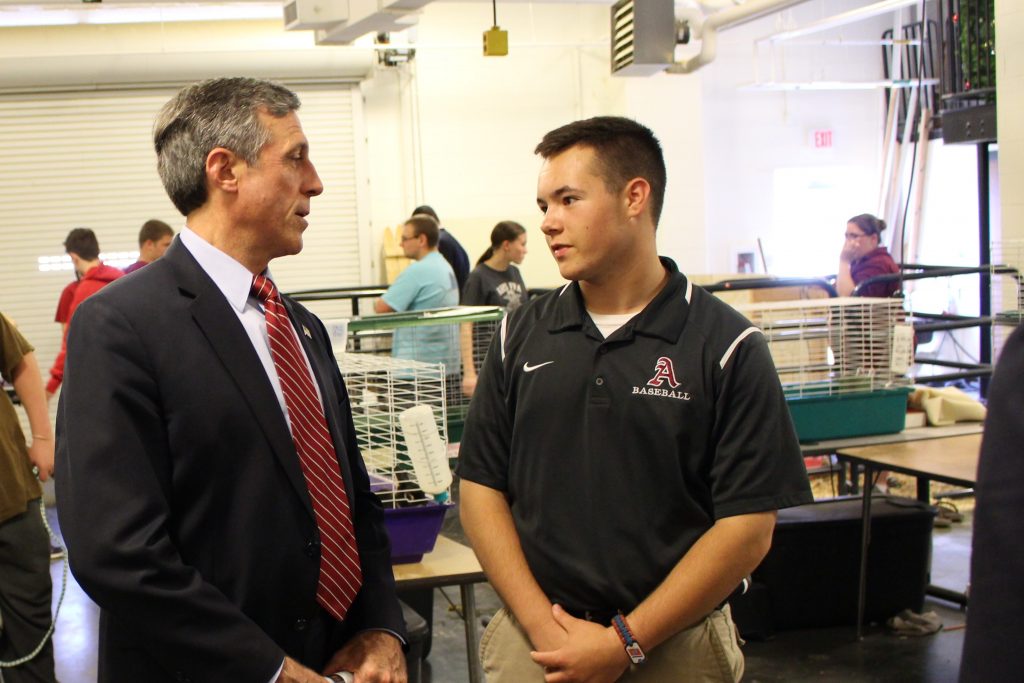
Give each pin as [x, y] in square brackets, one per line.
[633, 649]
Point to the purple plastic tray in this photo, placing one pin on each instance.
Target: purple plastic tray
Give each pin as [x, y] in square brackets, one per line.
[379, 483]
[414, 530]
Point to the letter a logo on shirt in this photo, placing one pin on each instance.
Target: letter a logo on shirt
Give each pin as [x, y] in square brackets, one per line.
[663, 372]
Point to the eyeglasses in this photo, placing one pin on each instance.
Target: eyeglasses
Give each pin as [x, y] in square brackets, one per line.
[409, 237]
[854, 236]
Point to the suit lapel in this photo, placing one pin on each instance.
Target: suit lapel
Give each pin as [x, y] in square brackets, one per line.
[226, 336]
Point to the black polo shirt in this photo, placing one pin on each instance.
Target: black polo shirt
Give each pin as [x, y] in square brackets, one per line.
[618, 454]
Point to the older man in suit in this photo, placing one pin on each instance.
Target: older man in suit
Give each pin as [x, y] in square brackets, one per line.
[210, 487]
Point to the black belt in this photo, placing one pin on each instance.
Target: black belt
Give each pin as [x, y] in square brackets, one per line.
[604, 616]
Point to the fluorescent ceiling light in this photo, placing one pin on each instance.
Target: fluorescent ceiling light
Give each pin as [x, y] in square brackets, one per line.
[69, 15]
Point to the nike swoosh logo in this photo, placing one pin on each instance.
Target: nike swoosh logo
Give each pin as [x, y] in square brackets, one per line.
[530, 368]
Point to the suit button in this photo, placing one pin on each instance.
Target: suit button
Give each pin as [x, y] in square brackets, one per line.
[313, 548]
[182, 677]
[301, 624]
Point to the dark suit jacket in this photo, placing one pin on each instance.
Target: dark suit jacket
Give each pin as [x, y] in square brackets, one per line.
[991, 649]
[180, 494]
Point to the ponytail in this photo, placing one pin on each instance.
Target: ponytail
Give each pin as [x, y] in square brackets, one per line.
[505, 231]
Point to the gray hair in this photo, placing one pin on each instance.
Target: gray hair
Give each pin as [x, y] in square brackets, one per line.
[220, 112]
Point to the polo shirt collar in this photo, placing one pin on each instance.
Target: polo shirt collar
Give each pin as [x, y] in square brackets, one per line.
[654, 321]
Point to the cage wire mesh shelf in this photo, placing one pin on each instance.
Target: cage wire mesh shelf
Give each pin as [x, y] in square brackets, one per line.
[455, 338]
[398, 409]
[842, 362]
[1007, 295]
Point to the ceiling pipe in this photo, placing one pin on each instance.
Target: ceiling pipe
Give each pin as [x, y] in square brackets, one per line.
[841, 19]
[708, 27]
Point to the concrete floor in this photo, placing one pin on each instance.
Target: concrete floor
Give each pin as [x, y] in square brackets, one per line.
[829, 654]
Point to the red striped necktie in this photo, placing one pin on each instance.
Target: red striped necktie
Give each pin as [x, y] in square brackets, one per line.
[340, 575]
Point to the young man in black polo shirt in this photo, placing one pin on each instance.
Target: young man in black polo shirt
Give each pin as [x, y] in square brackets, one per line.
[628, 443]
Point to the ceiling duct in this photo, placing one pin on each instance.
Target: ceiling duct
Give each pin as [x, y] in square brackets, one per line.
[307, 15]
[359, 17]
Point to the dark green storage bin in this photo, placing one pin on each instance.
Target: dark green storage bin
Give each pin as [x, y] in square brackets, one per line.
[817, 418]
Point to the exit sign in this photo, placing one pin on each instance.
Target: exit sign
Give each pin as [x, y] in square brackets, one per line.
[822, 138]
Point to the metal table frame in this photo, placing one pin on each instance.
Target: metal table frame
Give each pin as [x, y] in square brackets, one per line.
[951, 460]
[450, 564]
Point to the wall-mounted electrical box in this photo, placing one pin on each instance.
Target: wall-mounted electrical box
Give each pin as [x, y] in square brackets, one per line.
[495, 42]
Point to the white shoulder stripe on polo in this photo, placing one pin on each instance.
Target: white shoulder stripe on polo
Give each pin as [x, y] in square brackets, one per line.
[504, 333]
[689, 290]
[736, 342]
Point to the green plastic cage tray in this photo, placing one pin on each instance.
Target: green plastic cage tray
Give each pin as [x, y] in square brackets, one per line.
[840, 416]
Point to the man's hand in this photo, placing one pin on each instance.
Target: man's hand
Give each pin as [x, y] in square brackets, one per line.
[591, 653]
[293, 672]
[41, 455]
[373, 656]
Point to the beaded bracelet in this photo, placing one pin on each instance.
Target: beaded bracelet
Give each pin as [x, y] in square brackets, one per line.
[633, 649]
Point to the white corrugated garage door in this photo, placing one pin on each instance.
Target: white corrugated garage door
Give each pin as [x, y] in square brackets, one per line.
[86, 159]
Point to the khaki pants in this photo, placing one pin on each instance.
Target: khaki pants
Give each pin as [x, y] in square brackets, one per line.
[708, 652]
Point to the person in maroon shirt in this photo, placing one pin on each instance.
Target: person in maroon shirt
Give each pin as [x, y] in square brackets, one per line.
[154, 238]
[862, 258]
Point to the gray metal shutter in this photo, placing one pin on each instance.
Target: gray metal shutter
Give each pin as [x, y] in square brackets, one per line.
[85, 159]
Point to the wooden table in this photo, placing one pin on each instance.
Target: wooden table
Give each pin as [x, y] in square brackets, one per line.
[831, 446]
[952, 460]
[450, 564]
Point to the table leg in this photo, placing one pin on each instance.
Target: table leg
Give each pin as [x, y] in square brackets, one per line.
[865, 539]
[472, 640]
[924, 493]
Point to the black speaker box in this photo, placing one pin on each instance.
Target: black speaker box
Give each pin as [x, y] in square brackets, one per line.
[810, 577]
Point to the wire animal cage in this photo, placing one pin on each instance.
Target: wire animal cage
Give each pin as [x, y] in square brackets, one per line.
[842, 362]
[398, 408]
[1007, 295]
[453, 338]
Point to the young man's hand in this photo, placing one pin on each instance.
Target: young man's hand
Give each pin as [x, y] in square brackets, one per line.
[592, 653]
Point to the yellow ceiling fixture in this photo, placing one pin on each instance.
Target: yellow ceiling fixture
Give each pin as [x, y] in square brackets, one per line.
[495, 40]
